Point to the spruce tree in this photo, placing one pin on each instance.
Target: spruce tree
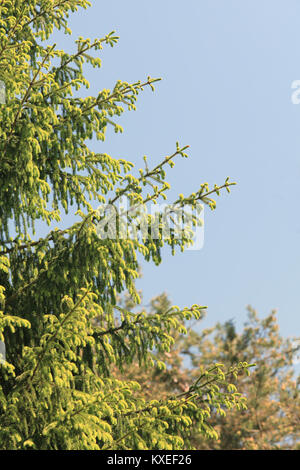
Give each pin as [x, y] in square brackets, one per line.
[60, 318]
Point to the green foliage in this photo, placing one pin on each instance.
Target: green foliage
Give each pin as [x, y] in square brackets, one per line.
[63, 328]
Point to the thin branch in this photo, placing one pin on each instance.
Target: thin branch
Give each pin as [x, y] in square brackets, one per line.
[12, 30]
[26, 96]
[43, 12]
[52, 338]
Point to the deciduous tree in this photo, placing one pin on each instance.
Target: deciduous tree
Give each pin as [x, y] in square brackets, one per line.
[271, 420]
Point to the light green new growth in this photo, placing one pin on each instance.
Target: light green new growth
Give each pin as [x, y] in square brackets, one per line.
[59, 313]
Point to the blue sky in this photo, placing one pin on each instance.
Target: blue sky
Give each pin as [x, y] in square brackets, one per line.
[227, 69]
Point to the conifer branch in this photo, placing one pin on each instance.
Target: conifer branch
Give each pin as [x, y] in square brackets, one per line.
[26, 96]
[54, 335]
[11, 32]
[44, 12]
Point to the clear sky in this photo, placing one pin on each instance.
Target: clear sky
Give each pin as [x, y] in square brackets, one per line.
[227, 69]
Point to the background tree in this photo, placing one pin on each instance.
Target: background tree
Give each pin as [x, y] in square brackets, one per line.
[272, 419]
[63, 328]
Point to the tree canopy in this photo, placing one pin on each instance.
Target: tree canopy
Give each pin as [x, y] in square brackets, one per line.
[63, 326]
